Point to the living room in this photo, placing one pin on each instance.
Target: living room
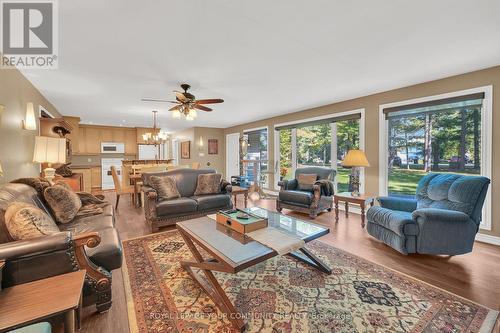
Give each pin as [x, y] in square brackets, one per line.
[267, 167]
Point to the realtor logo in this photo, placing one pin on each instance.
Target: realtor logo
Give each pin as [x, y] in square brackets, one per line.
[29, 34]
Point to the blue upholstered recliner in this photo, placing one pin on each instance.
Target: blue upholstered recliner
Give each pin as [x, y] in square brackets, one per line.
[442, 218]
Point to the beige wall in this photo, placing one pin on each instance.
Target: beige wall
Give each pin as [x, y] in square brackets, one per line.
[16, 144]
[490, 76]
[193, 134]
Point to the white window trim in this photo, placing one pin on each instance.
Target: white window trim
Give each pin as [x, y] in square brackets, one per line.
[294, 137]
[486, 141]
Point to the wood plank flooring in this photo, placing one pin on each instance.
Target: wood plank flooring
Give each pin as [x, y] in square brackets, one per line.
[475, 276]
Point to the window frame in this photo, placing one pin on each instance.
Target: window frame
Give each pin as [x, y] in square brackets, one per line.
[486, 141]
[276, 146]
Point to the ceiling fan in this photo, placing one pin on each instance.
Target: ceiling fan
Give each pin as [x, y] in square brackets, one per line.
[186, 103]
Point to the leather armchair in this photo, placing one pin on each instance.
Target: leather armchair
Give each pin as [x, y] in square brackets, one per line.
[442, 218]
[310, 202]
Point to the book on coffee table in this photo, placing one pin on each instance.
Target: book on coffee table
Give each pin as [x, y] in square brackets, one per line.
[241, 221]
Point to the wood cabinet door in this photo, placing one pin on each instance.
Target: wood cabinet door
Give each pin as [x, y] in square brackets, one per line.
[82, 142]
[93, 140]
[118, 135]
[130, 142]
[96, 177]
[106, 134]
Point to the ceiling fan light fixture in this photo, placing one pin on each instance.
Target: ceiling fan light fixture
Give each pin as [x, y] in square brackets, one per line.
[176, 114]
[189, 117]
[193, 113]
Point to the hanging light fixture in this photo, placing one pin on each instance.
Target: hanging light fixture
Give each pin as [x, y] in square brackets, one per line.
[156, 137]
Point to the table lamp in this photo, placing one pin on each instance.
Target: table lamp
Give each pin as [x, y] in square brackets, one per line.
[49, 150]
[355, 159]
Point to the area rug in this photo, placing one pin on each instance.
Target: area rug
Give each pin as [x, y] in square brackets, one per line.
[285, 295]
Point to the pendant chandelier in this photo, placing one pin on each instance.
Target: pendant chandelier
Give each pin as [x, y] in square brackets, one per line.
[156, 137]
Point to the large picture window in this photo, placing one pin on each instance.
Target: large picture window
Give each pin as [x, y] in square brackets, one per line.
[442, 136]
[323, 142]
[450, 133]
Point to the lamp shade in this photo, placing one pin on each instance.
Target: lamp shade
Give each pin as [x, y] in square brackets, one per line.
[355, 158]
[49, 150]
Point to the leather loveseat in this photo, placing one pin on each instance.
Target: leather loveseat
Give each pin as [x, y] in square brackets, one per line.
[88, 243]
[168, 212]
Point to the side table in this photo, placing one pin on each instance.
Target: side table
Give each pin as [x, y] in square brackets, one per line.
[362, 200]
[239, 190]
[31, 302]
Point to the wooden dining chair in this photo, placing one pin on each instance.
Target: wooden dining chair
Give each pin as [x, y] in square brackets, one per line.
[119, 188]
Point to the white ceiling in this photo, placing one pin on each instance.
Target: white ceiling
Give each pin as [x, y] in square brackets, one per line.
[264, 58]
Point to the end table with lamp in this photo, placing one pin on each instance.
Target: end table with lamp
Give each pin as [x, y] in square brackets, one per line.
[355, 159]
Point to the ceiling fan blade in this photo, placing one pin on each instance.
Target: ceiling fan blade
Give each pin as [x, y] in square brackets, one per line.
[201, 107]
[180, 96]
[158, 100]
[177, 107]
[209, 101]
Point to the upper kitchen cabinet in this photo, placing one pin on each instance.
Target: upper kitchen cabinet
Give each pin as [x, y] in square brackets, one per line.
[89, 138]
[130, 142]
[93, 139]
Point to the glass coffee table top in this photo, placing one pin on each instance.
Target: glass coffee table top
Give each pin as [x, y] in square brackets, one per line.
[240, 248]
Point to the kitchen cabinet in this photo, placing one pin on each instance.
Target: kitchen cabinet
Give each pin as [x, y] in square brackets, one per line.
[96, 177]
[130, 142]
[93, 138]
[87, 177]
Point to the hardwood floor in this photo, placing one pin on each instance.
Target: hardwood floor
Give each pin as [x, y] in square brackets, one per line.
[475, 276]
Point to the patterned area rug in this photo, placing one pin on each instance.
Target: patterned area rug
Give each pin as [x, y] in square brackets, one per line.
[284, 295]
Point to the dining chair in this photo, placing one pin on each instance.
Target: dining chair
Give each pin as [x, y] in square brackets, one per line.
[119, 188]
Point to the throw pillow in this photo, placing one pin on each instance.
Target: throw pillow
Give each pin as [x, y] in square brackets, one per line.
[25, 221]
[64, 203]
[165, 187]
[208, 183]
[38, 183]
[306, 181]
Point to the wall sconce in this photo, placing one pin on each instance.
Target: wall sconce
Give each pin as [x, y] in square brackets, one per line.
[201, 144]
[29, 123]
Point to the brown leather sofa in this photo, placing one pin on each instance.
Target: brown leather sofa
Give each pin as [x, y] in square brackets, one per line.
[168, 212]
[90, 243]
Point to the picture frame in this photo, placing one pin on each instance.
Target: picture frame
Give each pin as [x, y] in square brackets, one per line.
[213, 146]
[186, 150]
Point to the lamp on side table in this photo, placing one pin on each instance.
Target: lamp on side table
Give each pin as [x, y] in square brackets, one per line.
[49, 150]
[355, 159]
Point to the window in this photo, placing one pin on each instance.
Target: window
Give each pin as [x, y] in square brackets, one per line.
[450, 133]
[443, 136]
[323, 142]
[255, 162]
[347, 139]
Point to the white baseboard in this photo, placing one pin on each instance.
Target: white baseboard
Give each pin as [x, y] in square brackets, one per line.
[488, 239]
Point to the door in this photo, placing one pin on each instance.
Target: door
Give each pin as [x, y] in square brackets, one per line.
[232, 155]
[175, 151]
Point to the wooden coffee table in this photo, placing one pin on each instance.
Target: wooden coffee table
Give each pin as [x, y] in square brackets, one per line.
[362, 200]
[232, 252]
[31, 302]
